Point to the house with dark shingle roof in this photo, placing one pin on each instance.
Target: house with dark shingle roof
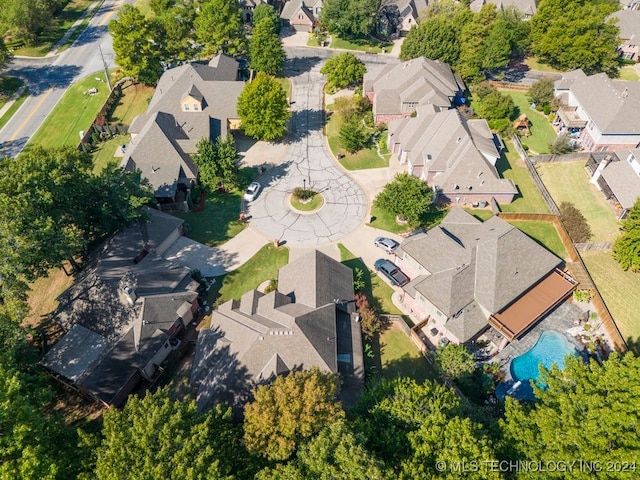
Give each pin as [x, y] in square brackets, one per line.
[601, 113]
[617, 176]
[123, 312]
[455, 156]
[407, 13]
[191, 102]
[305, 323]
[396, 90]
[469, 276]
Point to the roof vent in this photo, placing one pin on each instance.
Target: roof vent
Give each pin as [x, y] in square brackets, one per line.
[456, 186]
[480, 174]
[625, 93]
[469, 187]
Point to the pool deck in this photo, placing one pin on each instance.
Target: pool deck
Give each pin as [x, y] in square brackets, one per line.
[559, 320]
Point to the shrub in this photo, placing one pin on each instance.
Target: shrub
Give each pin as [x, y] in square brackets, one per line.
[574, 222]
[582, 295]
[303, 193]
[273, 285]
[358, 280]
[371, 323]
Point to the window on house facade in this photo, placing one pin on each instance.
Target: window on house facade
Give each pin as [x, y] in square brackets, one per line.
[195, 107]
[409, 106]
[186, 107]
[300, 16]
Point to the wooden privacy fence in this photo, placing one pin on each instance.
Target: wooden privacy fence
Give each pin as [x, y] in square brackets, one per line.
[567, 157]
[517, 87]
[601, 309]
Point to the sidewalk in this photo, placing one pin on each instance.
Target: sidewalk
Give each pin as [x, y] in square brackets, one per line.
[12, 100]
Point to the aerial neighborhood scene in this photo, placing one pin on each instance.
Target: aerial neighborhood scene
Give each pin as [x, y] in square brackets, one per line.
[319, 239]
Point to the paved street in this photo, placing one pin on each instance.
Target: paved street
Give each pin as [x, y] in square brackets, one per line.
[308, 164]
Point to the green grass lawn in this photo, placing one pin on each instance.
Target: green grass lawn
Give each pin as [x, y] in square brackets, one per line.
[542, 133]
[369, 45]
[367, 158]
[619, 289]
[103, 154]
[386, 221]
[285, 83]
[264, 265]
[480, 213]
[133, 102]
[313, 204]
[376, 289]
[59, 26]
[401, 358]
[75, 112]
[629, 73]
[14, 107]
[533, 64]
[545, 234]
[529, 198]
[145, 8]
[567, 181]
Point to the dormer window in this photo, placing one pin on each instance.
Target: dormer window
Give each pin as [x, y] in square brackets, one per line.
[186, 107]
[195, 107]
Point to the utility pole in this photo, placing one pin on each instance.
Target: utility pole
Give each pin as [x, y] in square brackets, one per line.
[106, 70]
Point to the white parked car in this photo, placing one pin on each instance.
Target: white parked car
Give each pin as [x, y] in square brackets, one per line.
[252, 191]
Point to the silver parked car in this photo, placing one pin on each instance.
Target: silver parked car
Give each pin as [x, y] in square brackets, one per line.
[252, 191]
[387, 244]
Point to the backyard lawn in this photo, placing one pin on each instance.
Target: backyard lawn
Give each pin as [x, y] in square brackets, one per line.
[367, 158]
[103, 154]
[43, 293]
[628, 72]
[567, 181]
[401, 358]
[264, 265]
[529, 198]
[74, 113]
[133, 102]
[545, 234]
[542, 133]
[619, 289]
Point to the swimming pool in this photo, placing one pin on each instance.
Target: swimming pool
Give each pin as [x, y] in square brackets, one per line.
[550, 348]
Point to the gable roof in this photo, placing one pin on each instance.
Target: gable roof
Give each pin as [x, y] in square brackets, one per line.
[293, 7]
[613, 105]
[421, 80]
[629, 25]
[622, 179]
[263, 335]
[527, 7]
[491, 263]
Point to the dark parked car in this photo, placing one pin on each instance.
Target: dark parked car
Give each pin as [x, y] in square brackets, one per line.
[393, 273]
[387, 244]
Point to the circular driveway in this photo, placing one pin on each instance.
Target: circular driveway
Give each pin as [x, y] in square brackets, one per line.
[307, 163]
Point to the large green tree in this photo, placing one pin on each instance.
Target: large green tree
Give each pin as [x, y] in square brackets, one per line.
[177, 25]
[266, 53]
[219, 27]
[289, 411]
[343, 70]
[588, 412]
[5, 56]
[570, 34]
[541, 92]
[263, 108]
[473, 40]
[353, 134]
[454, 362]
[156, 437]
[626, 248]
[24, 20]
[138, 44]
[435, 38]
[350, 18]
[406, 196]
[218, 163]
[264, 10]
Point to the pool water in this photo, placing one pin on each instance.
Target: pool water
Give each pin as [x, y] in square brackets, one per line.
[551, 348]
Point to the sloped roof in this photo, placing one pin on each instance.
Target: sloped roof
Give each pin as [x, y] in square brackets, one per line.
[262, 335]
[527, 7]
[293, 7]
[420, 80]
[490, 262]
[623, 181]
[629, 24]
[613, 105]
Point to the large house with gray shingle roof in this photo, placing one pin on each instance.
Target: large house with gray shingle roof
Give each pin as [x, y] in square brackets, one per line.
[469, 276]
[191, 102]
[123, 312]
[526, 7]
[617, 176]
[301, 15]
[396, 90]
[629, 25]
[603, 114]
[455, 156]
[305, 323]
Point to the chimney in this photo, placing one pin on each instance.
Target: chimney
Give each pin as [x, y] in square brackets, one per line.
[601, 166]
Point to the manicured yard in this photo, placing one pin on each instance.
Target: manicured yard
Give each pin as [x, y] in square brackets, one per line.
[380, 292]
[367, 158]
[533, 64]
[74, 113]
[43, 293]
[545, 234]
[619, 289]
[567, 181]
[262, 266]
[529, 198]
[542, 133]
[59, 26]
[134, 101]
[629, 73]
[103, 154]
[401, 358]
[285, 83]
[364, 45]
[386, 221]
[480, 213]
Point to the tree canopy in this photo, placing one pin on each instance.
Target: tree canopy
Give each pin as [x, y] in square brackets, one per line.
[570, 34]
[588, 412]
[156, 437]
[217, 163]
[626, 248]
[343, 70]
[435, 38]
[350, 18]
[266, 53]
[289, 411]
[5, 56]
[541, 92]
[218, 27]
[263, 108]
[138, 44]
[24, 20]
[406, 196]
[573, 220]
[264, 10]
